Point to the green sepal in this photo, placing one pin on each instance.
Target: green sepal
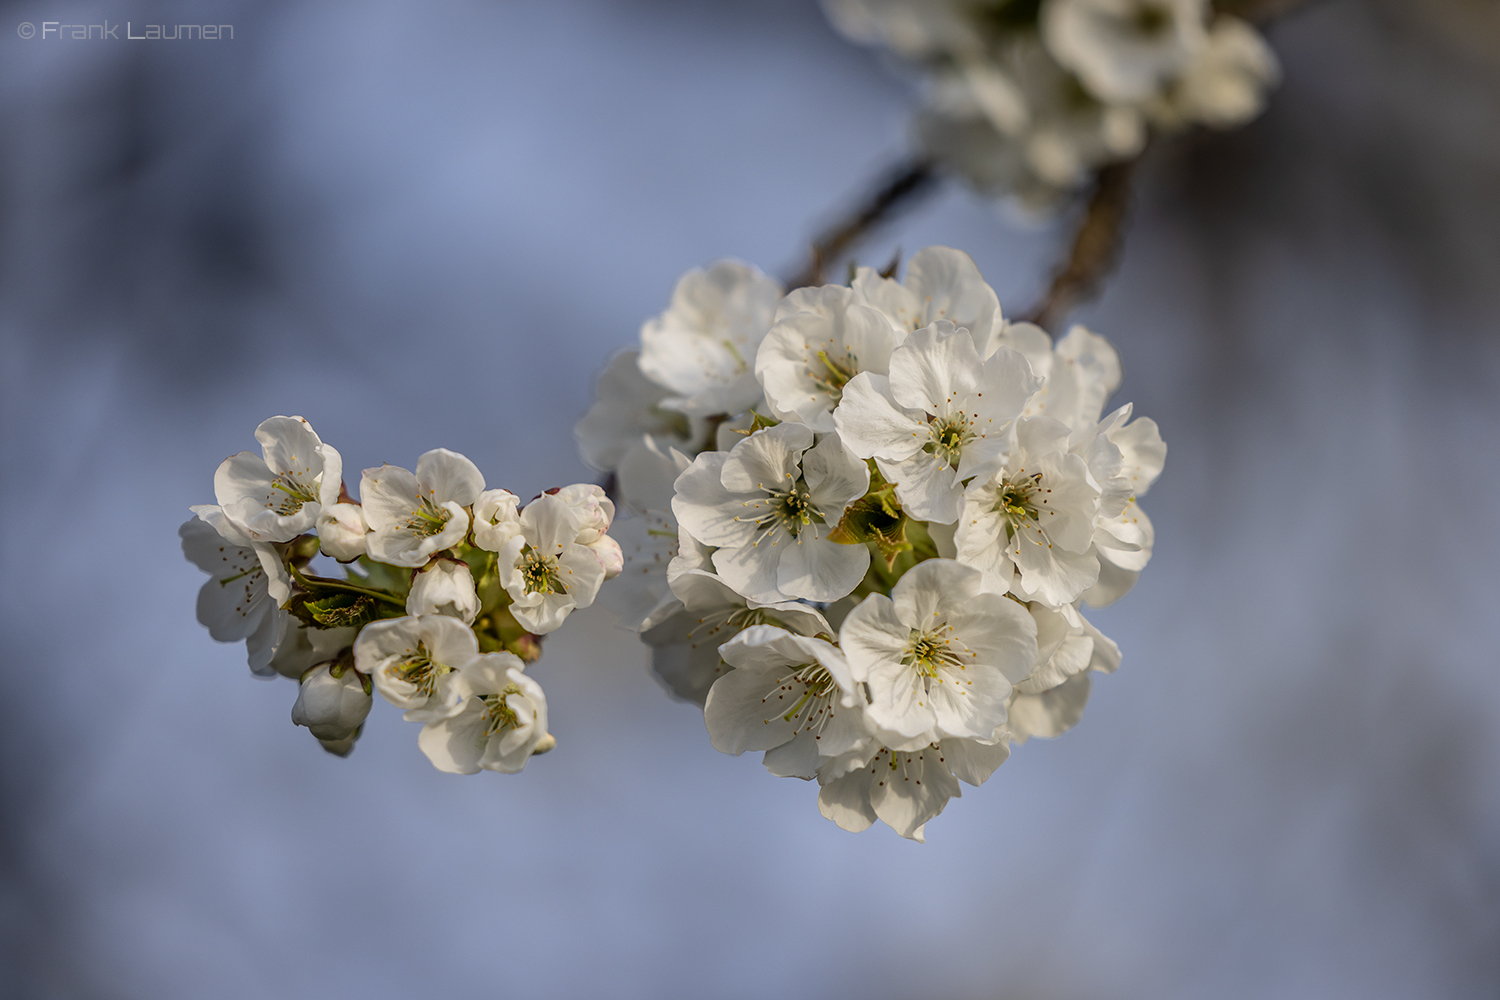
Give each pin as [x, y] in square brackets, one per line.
[875, 519]
[758, 422]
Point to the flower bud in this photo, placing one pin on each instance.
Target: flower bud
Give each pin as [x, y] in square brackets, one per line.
[332, 708]
[607, 551]
[340, 748]
[496, 520]
[444, 588]
[341, 527]
[594, 509]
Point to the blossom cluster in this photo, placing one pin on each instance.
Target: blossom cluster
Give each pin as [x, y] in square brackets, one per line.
[862, 520]
[1029, 97]
[447, 591]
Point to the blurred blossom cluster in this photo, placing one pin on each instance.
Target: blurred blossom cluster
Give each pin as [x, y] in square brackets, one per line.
[862, 521]
[448, 590]
[1029, 97]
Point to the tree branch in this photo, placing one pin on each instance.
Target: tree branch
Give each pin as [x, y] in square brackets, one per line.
[1095, 247]
[900, 187]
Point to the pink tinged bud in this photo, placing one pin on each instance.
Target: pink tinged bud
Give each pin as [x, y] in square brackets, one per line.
[607, 551]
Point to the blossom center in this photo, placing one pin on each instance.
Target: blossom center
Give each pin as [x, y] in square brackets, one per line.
[1018, 501]
[791, 509]
[420, 670]
[542, 573]
[929, 652]
[298, 494]
[428, 519]
[834, 373]
[811, 710]
[948, 437]
[498, 715]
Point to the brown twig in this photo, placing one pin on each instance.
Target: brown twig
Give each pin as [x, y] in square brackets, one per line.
[900, 186]
[1095, 247]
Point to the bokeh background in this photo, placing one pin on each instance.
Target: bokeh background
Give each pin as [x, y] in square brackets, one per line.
[429, 224]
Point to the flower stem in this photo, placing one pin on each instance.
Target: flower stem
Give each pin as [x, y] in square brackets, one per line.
[1096, 245]
[328, 584]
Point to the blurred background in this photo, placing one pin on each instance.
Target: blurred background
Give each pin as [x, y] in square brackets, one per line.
[429, 224]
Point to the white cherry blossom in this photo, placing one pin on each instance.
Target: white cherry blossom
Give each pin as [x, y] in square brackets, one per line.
[627, 404]
[1125, 50]
[1049, 713]
[497, 519]
[342, 531]
[1035, 515]
[595, 512]
[648, 540]
[276, 496]
[914, 29]
[1082, 372]
[939, 655]
[1041, 155]
[942, 417]
[702, 349]
[907, 788]
[684, 637]
[789, 695]
[302, 646]
[822, 338]
[1225, 85]
[235, 604]
[499, 723]
[941, 283]
[413, 517]
[332, 707]
[444, 587]
[412, 662]
[768, 506]
[1124, 458]
[544, 569]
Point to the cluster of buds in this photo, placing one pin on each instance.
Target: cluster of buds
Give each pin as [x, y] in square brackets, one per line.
[447, 590]
[863, 521]
[1028, 97]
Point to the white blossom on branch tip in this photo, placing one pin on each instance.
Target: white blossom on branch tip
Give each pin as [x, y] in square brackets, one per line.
[413, 517]
[789, 695]
[499, 723]
[444, 587]
[941, 283]
[276, 496]
[940, 418]
[822, 339]
[544, 569]
[684, 638]
[768, 506]
[1035, 515]
[939, 655]
[332, 707]
[412, 662]
[702, 348]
